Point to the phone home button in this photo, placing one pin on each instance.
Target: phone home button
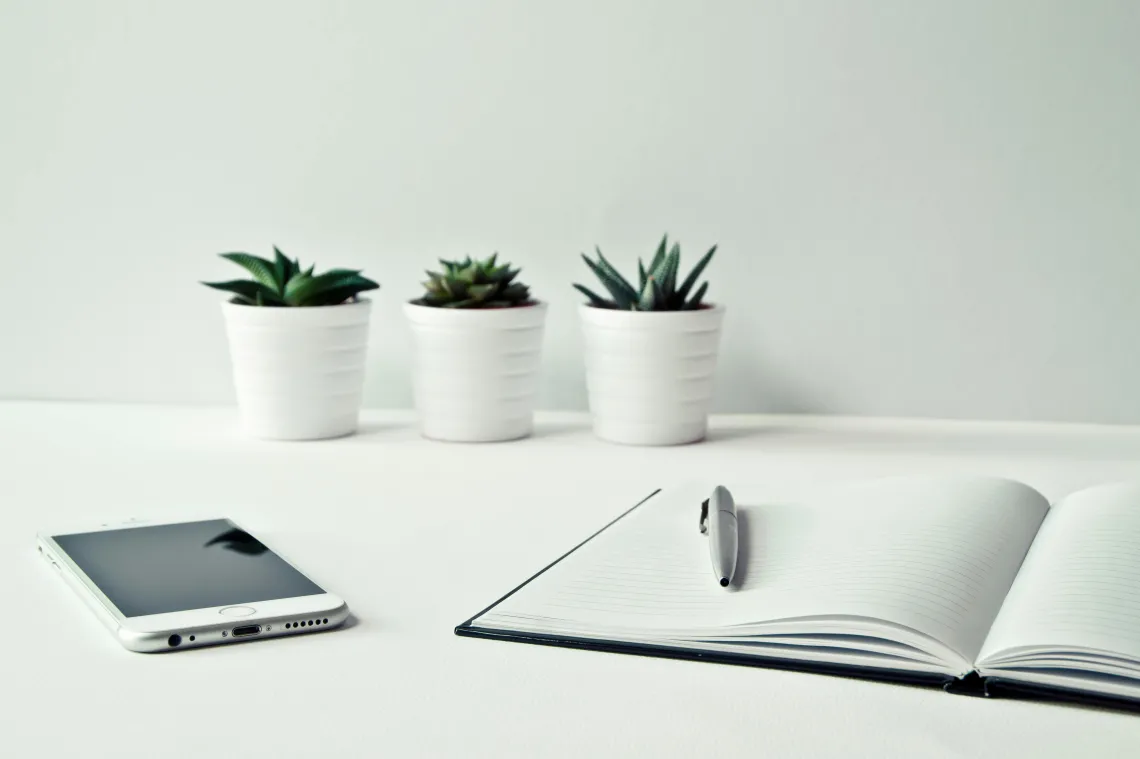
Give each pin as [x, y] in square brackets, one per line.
[237, 611]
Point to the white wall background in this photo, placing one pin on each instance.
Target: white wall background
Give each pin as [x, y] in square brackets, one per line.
[924, 208]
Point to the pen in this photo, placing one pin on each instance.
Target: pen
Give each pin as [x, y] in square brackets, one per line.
[718, 521]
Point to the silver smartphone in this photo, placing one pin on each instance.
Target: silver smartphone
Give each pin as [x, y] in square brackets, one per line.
[179, 585]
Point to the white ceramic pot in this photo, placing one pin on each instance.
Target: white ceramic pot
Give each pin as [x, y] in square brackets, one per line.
[649, 374]
[475, 371]
[299, 372]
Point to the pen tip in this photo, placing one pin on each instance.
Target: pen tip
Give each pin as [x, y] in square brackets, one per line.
[724, 582]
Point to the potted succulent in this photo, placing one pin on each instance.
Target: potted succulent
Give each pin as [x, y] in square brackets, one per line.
[478, 344]
[650, 351]
[298, 342]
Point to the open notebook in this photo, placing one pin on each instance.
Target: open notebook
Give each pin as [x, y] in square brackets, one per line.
[957, 580]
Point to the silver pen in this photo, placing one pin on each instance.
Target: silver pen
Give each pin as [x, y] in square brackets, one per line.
[718, 522]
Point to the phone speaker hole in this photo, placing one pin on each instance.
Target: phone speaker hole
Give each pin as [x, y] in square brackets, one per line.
[191, 638]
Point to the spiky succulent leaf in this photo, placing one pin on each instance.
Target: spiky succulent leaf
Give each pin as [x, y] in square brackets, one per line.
[248, 292]
[649, 294]
[657, 272]
[660, 252]
[595, 299]
[261, 269]
[612, 272]
[304, 289]
[474, 284]
[668, 280]
[623, 295]
[480, 292]
[337, 295]
[657, 284]
[695, 302]
[659, 296]
[514, 293]
[281, 282]
[328, 289]
[294, 284]
[468, 274]
[683, 290]
[282, 268]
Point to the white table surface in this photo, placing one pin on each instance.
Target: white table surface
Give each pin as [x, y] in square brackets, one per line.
[355, 513]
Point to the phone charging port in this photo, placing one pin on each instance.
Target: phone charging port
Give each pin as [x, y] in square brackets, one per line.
[246, 630]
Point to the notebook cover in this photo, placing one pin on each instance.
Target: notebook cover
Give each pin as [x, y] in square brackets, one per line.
[467, 629]
[1000, 687]
[716, 657]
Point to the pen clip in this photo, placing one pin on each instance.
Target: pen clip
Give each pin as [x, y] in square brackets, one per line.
[705, 517]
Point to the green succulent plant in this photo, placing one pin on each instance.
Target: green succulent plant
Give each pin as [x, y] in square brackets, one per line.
[474, 284]
[657, 288]
[282, 282]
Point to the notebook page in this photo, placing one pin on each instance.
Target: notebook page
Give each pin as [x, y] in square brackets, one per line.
[933, 554]
[649, 571]
[1080, 584]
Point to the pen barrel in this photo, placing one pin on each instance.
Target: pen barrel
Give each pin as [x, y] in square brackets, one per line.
[723, 544]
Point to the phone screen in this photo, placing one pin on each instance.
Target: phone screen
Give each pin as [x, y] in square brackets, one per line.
[178, 567]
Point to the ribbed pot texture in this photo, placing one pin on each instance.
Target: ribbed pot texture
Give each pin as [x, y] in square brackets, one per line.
[649, 374]
[475, 371]
[299, 372]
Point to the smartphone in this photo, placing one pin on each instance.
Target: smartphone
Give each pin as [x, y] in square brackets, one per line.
[178, 585]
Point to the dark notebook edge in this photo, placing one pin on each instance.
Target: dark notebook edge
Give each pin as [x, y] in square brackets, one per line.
[903, 677]
[1000, 687]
